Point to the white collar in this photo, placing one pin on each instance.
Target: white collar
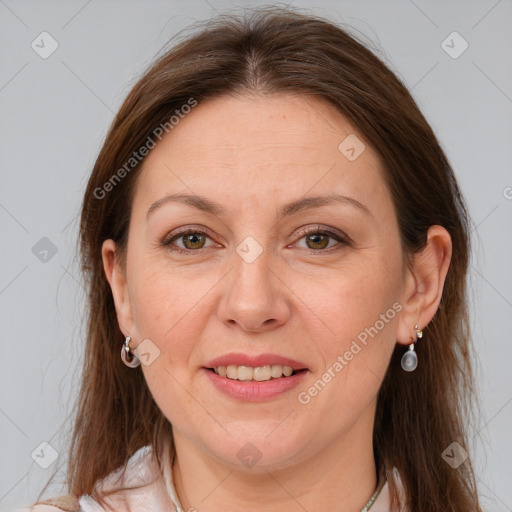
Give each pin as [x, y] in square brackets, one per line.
[160, 493]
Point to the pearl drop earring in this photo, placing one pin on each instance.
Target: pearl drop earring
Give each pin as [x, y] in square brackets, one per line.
[410, 358]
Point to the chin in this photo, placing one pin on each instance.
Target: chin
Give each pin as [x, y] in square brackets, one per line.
[258, 452]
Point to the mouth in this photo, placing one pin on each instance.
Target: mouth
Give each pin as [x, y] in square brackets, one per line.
[255, 378]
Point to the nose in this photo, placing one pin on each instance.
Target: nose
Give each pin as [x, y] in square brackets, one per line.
[255, 297]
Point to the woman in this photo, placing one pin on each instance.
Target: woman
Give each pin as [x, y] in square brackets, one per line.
[276, 249]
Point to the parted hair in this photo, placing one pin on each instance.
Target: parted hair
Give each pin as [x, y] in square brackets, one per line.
[283, 50]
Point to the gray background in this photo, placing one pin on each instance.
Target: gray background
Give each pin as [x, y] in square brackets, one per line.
[55, 113]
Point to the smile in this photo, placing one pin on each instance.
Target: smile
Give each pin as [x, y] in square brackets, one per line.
[258, 373]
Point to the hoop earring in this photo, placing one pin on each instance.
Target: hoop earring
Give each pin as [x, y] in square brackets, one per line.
[410, 358]
[128, 357]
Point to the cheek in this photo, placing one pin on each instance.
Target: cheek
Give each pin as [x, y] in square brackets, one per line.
[160, 298]
[360, 308]
[171, 306]
[168, 309]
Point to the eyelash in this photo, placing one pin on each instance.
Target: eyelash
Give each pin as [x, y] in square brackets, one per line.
[343, 240]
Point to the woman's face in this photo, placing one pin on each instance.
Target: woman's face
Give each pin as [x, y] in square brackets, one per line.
[268, 274]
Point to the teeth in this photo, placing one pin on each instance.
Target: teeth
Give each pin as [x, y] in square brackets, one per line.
[276, 371]
[232, 372]
[244, 372]
[287, 371]
[260, 373]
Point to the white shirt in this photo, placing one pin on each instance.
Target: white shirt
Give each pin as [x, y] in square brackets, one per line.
[160, 493]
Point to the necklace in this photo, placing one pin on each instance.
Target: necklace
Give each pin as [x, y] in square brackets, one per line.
[371, 501]
[172, 492]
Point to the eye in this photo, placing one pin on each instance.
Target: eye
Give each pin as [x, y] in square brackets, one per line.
[192, 239]
[318, 239]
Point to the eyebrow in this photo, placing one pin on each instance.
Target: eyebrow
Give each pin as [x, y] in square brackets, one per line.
[206, 205]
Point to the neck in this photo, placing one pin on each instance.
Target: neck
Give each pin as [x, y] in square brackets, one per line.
[342, 477]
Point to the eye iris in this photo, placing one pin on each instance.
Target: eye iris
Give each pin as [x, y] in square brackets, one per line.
[192, 238]
[324, 242]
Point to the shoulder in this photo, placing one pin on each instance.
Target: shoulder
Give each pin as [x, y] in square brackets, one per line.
[138, 486]
[66, 503]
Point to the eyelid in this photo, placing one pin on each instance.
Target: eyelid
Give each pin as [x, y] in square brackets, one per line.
[319, 228]
[184, 231]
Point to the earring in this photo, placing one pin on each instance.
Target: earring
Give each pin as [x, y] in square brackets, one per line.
[410, 358]
[128, 357]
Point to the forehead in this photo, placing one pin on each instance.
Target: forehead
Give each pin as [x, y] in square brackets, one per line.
[262, 145]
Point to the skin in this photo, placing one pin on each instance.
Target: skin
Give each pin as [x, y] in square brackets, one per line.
[252, 154]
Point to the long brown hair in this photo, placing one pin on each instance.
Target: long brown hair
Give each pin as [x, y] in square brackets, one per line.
[276, 50]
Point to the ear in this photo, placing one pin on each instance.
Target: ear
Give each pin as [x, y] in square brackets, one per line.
[423, 284]
[116, 276]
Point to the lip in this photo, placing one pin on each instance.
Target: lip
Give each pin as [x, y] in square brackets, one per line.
[253, 391]
[239, 359]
